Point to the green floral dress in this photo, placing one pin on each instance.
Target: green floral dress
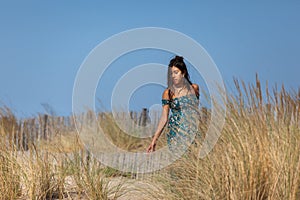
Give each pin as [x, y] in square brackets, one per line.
[183, 122]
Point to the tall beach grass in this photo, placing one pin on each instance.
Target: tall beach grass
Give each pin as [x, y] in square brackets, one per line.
[256, 157]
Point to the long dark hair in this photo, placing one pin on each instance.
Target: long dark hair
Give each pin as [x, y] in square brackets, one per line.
[178, 62]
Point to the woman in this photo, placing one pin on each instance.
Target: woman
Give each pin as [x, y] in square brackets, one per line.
[182, 97]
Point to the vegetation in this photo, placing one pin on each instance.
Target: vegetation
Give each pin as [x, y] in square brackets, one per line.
[256, 157]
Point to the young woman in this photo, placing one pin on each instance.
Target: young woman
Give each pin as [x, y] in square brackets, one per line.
[182, 98]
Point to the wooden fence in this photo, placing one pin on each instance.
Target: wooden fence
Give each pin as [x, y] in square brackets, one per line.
[20, 133]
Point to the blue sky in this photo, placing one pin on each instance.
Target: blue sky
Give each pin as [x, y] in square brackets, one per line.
[43, 44]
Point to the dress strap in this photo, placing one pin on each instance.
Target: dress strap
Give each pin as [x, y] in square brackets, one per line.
[165, 102]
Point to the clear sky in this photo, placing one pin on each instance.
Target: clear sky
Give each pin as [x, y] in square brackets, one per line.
[43, 44]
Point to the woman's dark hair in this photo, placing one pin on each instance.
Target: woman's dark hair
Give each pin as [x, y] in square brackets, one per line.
[178, 62]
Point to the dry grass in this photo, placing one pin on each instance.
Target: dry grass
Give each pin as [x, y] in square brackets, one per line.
[58, 168]
[256, 157]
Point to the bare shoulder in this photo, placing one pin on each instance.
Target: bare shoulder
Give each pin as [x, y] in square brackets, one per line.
[196, 89]
[195, 86]
[165, 94]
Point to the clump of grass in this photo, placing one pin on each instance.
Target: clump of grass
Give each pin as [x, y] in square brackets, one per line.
[10, 174]
[8, 127]
[44, 175]
[10, 183]
[49, 169]
[91, 178]
[256, 157]
[117, 136]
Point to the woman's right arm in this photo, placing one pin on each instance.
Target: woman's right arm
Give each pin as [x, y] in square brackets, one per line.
[162, 122]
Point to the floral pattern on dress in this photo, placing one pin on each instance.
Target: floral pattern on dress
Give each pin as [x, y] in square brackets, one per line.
[183, 122]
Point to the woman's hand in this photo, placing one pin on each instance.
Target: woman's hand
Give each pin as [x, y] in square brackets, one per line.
[151, 147]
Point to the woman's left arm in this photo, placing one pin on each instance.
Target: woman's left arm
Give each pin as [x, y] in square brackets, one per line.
[196, 89]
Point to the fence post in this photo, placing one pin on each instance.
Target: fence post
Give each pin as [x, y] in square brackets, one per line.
[25, 136]
[45, 126]
[143, 117]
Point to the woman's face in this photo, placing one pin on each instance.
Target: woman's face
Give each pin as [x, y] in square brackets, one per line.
[177, 76]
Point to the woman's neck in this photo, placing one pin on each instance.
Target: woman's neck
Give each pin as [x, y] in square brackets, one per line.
[178, 86]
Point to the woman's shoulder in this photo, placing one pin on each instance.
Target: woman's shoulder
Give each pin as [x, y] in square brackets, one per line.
[195, 86]
[165, 94]
[196, 89]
